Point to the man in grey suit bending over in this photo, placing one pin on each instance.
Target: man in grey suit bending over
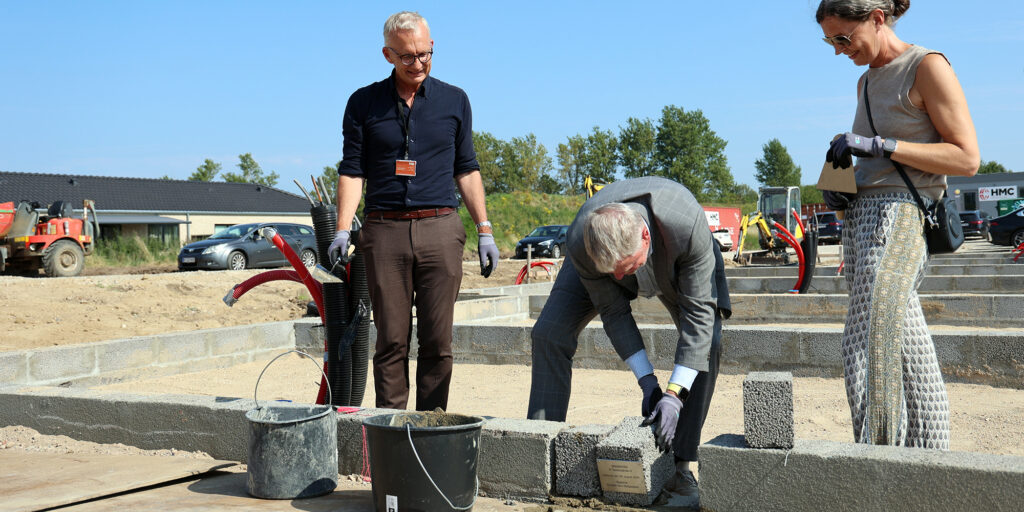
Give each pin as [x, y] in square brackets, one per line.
[646, 237]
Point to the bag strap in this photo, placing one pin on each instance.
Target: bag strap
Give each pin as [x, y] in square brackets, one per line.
[899, 168]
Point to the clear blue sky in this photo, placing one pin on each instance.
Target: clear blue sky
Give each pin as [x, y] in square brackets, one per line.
[147, 89]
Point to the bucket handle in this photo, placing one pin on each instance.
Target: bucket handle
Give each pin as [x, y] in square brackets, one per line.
[330, 398]
[408, 431]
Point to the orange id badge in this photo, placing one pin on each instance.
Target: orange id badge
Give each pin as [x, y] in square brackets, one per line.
[405, 167]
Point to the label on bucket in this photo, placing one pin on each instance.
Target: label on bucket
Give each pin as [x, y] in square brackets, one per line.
[622, 476]
[391, 502]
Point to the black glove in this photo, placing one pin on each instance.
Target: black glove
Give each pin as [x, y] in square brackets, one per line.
[837, 200]
[850, 143]
[666, 414]
[652, 393]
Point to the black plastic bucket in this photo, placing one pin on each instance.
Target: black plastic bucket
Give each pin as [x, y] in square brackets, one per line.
[293, 451]
[423, 461]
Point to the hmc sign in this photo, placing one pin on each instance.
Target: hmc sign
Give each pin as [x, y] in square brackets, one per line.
[997, 193]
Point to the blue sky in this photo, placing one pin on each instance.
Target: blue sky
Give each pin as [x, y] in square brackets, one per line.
[147, 89]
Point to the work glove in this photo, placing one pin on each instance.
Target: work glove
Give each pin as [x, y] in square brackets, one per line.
[848, 144]
[338, 252]
[652, 393]
[666, 415]
[488, 253]
[837, 200]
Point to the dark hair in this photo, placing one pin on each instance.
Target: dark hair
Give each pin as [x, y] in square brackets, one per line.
[859, 10]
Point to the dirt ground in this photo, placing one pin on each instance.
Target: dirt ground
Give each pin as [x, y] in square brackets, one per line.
[42, 312]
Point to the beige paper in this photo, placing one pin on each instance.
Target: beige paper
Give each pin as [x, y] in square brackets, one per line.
[621, 476]
[837, 179]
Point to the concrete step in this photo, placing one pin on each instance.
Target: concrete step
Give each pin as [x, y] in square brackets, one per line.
[931, 284]
[994, 311]
[1006, 269]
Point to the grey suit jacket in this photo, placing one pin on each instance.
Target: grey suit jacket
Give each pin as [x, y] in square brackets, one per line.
[688, 268]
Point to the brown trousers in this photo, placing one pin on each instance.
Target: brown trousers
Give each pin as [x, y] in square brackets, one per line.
[413, 262]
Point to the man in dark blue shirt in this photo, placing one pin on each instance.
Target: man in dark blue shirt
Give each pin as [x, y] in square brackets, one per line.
[410, 139]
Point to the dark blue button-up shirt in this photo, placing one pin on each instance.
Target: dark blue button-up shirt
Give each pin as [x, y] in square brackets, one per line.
[440, 141]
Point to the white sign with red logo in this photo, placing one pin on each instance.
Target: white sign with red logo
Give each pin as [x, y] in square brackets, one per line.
[996, 193]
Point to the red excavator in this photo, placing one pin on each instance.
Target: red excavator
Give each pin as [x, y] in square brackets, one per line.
[54, 241]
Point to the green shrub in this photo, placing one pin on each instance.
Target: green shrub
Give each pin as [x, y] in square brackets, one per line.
[130, 251]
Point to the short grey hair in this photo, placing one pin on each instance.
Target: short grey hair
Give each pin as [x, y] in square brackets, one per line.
[611, 233]
[405, 20]
[860, 10]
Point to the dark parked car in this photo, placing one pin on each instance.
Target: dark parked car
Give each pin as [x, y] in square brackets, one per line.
[830, 228]
[547, 241]
[1008, 229]
[973, 223]
[242, 246]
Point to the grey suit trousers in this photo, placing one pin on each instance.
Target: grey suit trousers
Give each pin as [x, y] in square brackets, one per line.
[555, 338]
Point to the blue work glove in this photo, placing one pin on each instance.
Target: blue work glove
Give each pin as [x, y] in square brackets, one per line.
[837, 200]
[666, 414]
[338, 252]
[488, 254]
[652, 393]
[852, 144]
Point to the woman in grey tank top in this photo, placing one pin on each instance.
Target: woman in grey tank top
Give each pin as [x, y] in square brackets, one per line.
[893, 381]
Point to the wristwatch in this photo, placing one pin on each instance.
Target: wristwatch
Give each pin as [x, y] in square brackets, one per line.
[888, 147]
[680, 392]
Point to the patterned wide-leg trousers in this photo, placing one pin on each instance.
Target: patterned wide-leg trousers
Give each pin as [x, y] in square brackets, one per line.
[893, 380]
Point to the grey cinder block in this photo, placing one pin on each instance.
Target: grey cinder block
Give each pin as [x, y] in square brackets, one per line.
[631, 442]
[576, 460]
[768, 409]
[516, 457]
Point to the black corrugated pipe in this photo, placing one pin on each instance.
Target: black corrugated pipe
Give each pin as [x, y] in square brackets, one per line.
[325, 224]
[336, 313]
[359, 292]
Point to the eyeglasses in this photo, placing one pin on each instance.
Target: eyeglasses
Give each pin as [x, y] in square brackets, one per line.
[840, 41]
[408, 58]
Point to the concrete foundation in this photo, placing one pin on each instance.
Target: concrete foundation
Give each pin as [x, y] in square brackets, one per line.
[576, 460]
[824, 475]
[516, 457]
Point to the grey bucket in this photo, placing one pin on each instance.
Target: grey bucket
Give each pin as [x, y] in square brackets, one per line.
[423, 461]
[293, 450]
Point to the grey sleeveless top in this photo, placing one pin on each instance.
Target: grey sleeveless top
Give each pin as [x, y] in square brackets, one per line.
[895, 116]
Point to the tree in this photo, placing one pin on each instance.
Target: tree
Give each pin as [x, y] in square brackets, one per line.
[251, 173]
[776, 168]
[550, 185]
[488, 149]
[689, 152]
[570, 164]
[810, 194]
[601, 152]
[205, 172]
[523, 162]
[991, 167]
[636, 148]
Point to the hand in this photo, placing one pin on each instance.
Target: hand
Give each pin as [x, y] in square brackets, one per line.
[837, 200]
[848, 144]
[666, 413]
[652, 393]
[488, 254]
[339, 249]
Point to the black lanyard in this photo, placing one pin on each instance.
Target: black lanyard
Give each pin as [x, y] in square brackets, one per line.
[403, 121]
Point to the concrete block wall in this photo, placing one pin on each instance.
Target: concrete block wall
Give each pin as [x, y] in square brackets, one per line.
[576, 460]
[106, 362]
[826, 475]
[516, 457]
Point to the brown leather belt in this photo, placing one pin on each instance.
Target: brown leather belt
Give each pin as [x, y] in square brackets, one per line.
[409, 214]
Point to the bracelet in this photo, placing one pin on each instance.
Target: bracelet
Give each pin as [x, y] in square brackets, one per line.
[482, 224]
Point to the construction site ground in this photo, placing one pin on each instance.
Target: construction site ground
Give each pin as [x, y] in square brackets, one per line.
[45, 312]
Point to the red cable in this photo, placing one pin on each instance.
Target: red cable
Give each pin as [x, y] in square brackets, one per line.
[258, 279]
[523, 270]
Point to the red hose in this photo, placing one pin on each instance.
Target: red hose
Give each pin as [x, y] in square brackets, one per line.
[314, 288]
[265, 277]
[798, 222]
[523, 271]
[1019, 250]
[791, 240]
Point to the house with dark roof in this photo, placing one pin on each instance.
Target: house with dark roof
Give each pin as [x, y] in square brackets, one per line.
[166, 209]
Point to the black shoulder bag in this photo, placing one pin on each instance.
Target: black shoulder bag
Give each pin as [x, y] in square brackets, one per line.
[942, 227]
